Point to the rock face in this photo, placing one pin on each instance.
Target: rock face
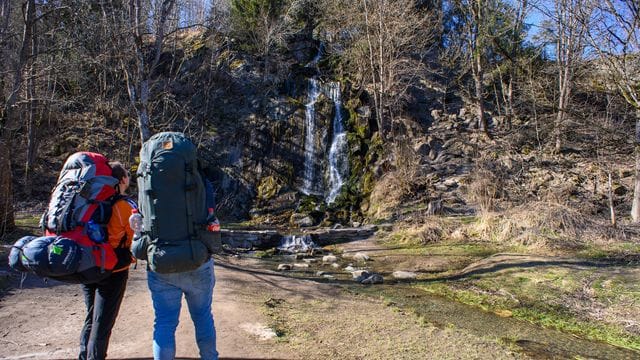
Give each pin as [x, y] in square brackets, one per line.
[266, 239]
[258, 239]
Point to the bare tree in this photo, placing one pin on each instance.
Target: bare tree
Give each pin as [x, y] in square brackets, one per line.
[476, 26]
[614, 32]
[10, 120]
[512, 51]
[567, 31]
[385, 44]
[139, 80]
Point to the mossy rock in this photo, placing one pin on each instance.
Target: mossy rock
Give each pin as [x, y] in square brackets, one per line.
[269, 187]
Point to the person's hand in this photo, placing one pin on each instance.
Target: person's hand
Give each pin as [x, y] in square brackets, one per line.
[212, 223]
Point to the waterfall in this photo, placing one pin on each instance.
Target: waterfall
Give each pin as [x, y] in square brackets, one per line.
[309, 138]
[338, 161]
[296, 244]
[308, 184]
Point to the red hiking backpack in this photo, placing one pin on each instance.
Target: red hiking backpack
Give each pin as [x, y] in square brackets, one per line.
[75, 247]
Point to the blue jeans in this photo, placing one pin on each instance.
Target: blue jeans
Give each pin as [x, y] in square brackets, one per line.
[166, 293]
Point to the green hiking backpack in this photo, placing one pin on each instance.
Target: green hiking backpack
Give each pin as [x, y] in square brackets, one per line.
[171, 198]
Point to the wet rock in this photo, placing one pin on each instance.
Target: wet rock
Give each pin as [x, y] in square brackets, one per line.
[349, 268]
[301, 265]
[327, 276]
[320, 273]
[404, 275]
[284, 267]
[335, 265]
[360, 275]
[304, 221]
[329, 259]
[310, 260]
[372, 279]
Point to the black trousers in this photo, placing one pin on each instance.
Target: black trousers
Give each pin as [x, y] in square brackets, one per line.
[103, 301]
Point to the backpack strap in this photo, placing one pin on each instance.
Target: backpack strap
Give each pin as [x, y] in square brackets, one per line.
[190, 186]
[144, 171]
[133, 205]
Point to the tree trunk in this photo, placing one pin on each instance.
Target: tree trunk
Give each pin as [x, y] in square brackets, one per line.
[376, 93]
[7, 222]
[635, 207]
[33, 111]
[477, 79]
[612, 210]
[10, 121]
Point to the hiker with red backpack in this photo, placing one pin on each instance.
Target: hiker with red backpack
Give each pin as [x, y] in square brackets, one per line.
[87, 240]
[103, 298]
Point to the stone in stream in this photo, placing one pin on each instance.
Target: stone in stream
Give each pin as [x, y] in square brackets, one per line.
[360, 275]
[370, 279]
[301, 265]
[404, 275]
[349, 268]
[284, 267]
[361, 257]
[329, 259]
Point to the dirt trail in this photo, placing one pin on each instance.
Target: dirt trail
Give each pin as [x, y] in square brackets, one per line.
[44, 320]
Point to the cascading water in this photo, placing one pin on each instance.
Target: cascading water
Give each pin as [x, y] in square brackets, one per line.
[308, 183]
[338, 162]
[296, 244]
[309, 138]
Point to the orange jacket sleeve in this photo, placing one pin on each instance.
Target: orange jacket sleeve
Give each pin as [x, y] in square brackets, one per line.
[120, 233]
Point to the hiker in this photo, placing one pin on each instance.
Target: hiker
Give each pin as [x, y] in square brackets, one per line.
[178, 227]
[103, 298]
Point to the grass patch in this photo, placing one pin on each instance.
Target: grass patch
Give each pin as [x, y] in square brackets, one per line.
[558, 319]
[272, 308]
[558, 298]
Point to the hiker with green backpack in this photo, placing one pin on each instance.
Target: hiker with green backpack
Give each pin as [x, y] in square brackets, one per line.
[179, 233]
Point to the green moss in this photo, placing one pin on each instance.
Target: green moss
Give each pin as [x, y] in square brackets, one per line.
[260, 254]
[31, 221]
[269, 187]
[567, 323]
[533, 295]
[236, 64]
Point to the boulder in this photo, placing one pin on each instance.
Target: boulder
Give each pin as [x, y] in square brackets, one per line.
[404, 275]
[360, 275]
[372, 279]
[361, 257]
[284, 267]
[329, 259]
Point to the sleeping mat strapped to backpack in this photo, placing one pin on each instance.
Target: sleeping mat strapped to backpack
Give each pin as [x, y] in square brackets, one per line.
[75, 247]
